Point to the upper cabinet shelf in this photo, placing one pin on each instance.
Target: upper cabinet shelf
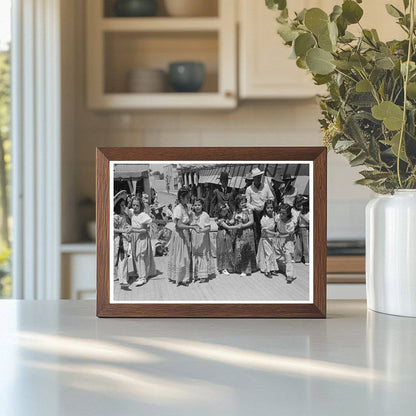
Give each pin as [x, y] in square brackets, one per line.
[160, 24]
[128, 58]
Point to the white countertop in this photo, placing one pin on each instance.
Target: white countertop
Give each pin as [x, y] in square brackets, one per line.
[56, 358]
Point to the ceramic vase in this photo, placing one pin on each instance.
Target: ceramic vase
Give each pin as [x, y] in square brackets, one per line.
[391, 253]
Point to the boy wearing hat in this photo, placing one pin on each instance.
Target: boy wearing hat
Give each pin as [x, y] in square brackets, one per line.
[223, 195]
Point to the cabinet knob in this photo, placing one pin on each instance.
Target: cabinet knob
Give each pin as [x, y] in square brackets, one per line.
[228, 94]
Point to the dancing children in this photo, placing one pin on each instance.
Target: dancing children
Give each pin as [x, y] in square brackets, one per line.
[266, 254]
[285, 247]
[179, 262]
[303, 227]
[225, 252]
[141, 246]
[202, 261]
[121, 240]
[245, 252]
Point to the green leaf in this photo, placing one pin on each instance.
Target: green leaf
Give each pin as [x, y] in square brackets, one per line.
[276, 4]
[375, 35]
[336, 12]
[375, 175]
[343, 145]
[316, 20]
[385, 63]
[364, 182]
[303, 43]
[321, 79]
[342, 25]
[406, 4]
[343, 65]
[394, 145]
[358, 160]
[391, 114]
[351, 11]
[325, 43]
[358, 61]
[393, 11]
[319, 61]
[301, 63]
[286, 32]
[363, 86]
[411, 90]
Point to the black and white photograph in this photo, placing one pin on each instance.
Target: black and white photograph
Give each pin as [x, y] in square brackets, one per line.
[222, 232]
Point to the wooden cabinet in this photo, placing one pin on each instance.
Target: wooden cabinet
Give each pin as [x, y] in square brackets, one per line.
[117, 45]
[265, 70]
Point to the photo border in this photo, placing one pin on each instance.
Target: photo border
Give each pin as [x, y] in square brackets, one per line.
[313, 308]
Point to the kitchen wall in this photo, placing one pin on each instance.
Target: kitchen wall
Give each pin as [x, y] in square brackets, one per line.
[255, 123]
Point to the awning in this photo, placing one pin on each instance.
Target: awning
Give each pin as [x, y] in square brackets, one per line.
[238, 173]
[131, 171]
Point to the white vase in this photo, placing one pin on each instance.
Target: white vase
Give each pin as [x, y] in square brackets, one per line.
[391, 253]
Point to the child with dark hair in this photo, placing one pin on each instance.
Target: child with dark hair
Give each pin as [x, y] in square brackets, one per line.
[225, 252]
[141, 246]
[180, 257]
[245, 251]
[121, 241]
[285, 246]
[266, 255]
[297, 206]
[303, 226]
[202, 261]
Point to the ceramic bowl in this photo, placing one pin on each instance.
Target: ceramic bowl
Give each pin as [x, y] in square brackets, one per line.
[186, 76]
[135, 8]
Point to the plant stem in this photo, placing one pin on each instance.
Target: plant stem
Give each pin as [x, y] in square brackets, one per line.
[406, 80]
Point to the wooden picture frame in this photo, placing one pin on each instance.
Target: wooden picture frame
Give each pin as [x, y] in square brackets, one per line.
[314, 308]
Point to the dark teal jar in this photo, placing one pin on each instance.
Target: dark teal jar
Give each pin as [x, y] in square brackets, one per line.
[186, 76]
[135, 8]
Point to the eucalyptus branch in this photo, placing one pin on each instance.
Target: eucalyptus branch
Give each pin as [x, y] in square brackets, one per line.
[406, 80]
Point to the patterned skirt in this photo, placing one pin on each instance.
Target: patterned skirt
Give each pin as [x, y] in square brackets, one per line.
[179, 261]
[245, 251]
[225, 252]
[203, 265]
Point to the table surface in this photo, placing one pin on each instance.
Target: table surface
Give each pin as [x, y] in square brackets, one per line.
[57, 358]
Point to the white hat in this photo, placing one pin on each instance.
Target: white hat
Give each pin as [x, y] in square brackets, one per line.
[120, 195]
[257, 172]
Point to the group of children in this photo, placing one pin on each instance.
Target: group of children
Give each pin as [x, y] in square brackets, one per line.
[284, 239]
[191, 252]
[132, 240]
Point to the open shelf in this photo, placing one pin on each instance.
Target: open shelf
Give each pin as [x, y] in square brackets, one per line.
[127, 51]
[160, 24]
[116, 46]
[211, 10]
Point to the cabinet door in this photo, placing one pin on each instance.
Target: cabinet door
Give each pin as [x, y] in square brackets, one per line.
[265, 68]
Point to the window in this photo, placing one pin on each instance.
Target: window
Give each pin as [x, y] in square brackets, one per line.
[5, 148]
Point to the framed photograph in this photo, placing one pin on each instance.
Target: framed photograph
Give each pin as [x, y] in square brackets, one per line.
[211, 232]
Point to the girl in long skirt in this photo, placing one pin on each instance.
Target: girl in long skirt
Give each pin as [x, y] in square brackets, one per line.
[245, 252]
[225, 252]
[121, 241]
[202, 261]
[141, 246]
[266, 255]
[297, 206]
[285, 242]
[179, 262]
[303, 226]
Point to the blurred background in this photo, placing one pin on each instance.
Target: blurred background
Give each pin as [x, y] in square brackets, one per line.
[101, 73]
